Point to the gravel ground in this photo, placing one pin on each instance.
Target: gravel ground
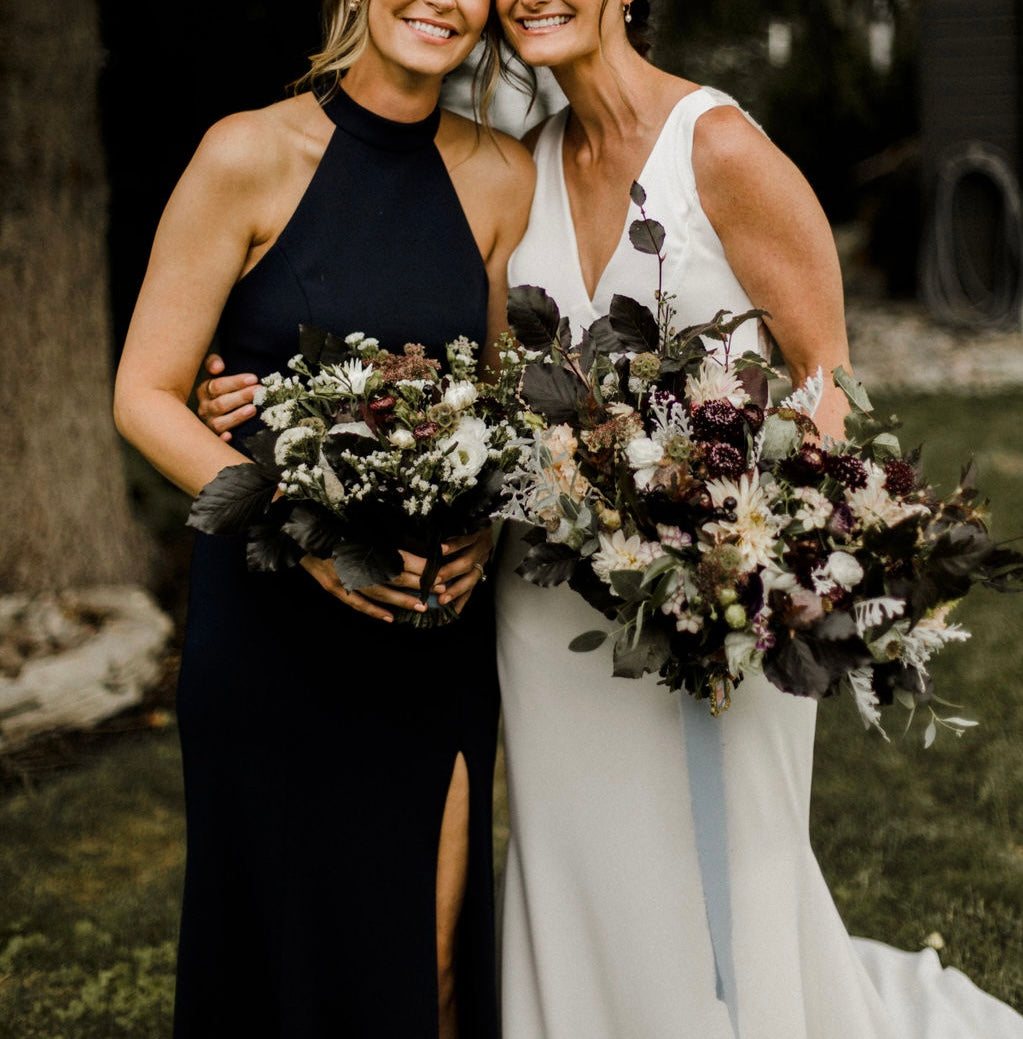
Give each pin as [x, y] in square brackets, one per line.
[895, 345]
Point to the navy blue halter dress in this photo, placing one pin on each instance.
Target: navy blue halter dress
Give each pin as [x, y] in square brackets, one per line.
[318, 744]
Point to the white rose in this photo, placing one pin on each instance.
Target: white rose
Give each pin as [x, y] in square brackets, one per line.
[643, 452]
[844, 570]
[470, 453]
[460, 395]
[402, 438]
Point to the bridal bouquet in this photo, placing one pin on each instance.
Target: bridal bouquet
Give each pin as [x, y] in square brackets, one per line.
[367, 451]
[724, 536]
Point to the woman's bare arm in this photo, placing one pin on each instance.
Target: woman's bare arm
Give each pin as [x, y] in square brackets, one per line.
[779, 244]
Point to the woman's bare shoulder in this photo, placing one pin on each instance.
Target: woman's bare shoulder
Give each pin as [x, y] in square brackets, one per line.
[725, 135]
[257, 146]
[496, 158]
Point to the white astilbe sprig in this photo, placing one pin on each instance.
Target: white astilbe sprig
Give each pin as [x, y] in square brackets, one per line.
[921, 641]
[865, 697]
[668, 416]
[871, 613]
[808, 397]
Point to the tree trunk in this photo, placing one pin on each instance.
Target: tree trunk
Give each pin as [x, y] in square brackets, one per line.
[65, 515]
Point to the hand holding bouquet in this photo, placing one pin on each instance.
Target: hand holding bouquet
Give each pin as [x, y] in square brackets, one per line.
[364, 452]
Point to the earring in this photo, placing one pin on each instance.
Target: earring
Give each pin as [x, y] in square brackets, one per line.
[627, 12]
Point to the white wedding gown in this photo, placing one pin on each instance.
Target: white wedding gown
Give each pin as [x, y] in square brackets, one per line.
[660, 880]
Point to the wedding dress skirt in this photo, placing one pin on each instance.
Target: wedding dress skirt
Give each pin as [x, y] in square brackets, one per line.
[660, 880]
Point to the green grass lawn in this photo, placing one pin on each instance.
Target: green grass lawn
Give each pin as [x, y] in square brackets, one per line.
[913, 842]
[916, 841]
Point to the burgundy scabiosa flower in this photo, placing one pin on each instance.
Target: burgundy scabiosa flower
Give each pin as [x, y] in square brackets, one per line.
[847, 470]
[718, 420]
[899, 477]
[725, 460]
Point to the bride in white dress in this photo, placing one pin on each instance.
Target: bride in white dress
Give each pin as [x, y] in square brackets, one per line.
[660, 880]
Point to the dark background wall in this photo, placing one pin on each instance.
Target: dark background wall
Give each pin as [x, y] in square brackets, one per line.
[171, 71]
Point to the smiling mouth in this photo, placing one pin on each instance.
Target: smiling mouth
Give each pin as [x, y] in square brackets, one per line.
[552, 21]
[437, 31]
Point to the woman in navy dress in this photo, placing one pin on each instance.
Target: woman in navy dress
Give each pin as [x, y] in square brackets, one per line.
[338, 766]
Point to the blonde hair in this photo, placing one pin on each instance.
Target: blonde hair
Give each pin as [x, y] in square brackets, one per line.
[346, 32]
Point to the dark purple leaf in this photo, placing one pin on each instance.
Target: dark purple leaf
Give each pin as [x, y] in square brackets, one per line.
[603, 338]
[269, 548]
[335, 444]
[319, 346]
[260, 448]
[314, 528]
[647, 236]
[635, 324]
[534, 317]
[361, 565]
[637, 194]
[811, 663]
[233, 500]
[547, 565]
[553, 391]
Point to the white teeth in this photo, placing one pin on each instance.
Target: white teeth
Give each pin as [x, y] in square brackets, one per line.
[546, 23]
[432, 30]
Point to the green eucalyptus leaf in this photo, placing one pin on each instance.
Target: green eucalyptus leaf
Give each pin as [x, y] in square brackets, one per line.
[588, 641]
[645, 656]
[627, 583]
[781, 438]
[658, 567]
[886, 446]
[853, 389]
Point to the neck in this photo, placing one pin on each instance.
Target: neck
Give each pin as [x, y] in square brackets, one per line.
[613, 94]
[403, 96]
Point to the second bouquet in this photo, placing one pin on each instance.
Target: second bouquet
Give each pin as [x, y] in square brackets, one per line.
[365, 452]
[725, 536]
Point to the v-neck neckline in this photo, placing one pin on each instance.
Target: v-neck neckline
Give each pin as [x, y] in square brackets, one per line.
[566, 202]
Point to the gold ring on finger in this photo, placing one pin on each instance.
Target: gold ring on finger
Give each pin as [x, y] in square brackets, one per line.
[479, 566]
